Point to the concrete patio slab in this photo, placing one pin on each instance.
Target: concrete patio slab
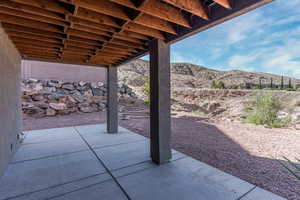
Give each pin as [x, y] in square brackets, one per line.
[29, 176]
[259, 193]
[120, 156]
[98, 128]
[63, 189]
[97, 137]
[111, 166]
[48, 135]
[46, 149]
[184, 179]
[108, 190]
[125, 155]
[143, 165]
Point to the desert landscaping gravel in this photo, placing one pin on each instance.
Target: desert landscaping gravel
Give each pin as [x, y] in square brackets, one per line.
[246, 151]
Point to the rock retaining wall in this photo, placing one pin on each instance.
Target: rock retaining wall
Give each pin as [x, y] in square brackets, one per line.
[42, 98]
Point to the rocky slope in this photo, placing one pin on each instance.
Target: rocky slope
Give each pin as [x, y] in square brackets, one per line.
[194, 76]
[191, 92]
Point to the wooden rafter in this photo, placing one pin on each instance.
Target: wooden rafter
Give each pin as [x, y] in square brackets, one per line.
[195, 7]
[224, 3]
[108, 32]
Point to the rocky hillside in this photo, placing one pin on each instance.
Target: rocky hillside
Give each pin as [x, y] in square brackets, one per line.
[194, 76]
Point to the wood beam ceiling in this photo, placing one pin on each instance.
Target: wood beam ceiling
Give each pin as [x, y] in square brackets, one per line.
[106, 32]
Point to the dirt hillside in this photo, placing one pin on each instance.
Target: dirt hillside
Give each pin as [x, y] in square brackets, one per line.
[194, 76]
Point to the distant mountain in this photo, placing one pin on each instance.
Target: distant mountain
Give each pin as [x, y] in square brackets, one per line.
[195, 76]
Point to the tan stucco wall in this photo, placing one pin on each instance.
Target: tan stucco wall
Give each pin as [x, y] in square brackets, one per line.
[10, 99]
[66, 72]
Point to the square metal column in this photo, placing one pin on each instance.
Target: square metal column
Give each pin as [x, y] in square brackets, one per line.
[112, 100]
[160, 119]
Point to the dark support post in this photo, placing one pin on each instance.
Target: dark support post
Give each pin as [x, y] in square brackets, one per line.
[112, 99]
[160, 119]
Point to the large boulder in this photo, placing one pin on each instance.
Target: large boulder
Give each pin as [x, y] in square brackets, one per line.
[62, 91]
[58, 106]
[68, 86]
[53, 83]
[38, 97]
[82, 83]
[50, 112]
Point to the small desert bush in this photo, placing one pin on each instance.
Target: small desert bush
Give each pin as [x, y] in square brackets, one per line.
[289, 89]
[218, 85]
[255, 87]
[199, 113]
[264, 111]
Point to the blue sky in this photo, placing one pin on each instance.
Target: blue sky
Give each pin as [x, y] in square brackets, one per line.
[264, 40]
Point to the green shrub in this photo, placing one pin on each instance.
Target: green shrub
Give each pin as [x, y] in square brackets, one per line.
[200, 113]
[289, 89]
[255, 87]
[146, 89]
[264, 111]
[218, 85]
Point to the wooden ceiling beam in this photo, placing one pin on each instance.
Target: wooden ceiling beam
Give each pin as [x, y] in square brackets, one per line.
[112, 55]
[29, 23]
[34, 37]
[39, 52]
[119, 47]
[70, 45]
[50, 5]
[147, 20]
[39, 57]
[96, 17]
[192, 6]
[81, 45]
[73, 58]
[30, 43]
[134, 40]
[26, 46]
[224, 3]
[127, 44]
[144, 30]
[32, 10]
[83, 40]
[134, 35]
[84, 34]
[155, 23]
[24, 29]
[38, 18]
[91, 30]
[34, 41]
[91, 24]
[74, 49]
[112, 51]
[104, 6]
[158, 9]
[75, 54]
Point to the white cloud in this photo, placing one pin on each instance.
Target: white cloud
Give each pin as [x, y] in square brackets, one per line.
[179, 57]
[281, 59]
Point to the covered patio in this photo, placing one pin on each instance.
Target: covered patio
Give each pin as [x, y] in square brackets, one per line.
[105, 160]
[84, 162]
